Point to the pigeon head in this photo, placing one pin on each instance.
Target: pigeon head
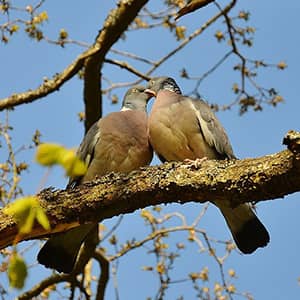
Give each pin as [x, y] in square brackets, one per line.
[136, 98]
[162, 83]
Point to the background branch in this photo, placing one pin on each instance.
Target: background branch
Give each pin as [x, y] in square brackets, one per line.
[115, 24]
[36, 290]
[104, 277]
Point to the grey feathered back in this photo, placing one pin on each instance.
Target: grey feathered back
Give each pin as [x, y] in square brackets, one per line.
[211, 128]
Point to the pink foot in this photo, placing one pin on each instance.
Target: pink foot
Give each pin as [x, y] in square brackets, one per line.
[195, 163]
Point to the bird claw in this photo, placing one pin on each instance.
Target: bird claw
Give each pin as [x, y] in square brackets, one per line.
[196, 163]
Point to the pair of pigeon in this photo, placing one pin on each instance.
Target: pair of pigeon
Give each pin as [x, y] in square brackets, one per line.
[178, 128]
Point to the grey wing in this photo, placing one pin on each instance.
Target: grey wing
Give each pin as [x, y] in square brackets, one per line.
[211, 128]
[86, 151]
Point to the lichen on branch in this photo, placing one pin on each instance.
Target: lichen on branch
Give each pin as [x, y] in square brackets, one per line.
[237, 181]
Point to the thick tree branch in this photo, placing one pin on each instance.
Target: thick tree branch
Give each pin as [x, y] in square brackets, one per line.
[236, 181]
[115, 24]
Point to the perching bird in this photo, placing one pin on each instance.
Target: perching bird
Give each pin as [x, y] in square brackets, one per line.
[116, 143]
[182, 128]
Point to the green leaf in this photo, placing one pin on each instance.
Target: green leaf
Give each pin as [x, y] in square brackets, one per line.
[48, 154]
[24, 211]
[17, 271]
[72, 164]
[42, 218]
[25, 224]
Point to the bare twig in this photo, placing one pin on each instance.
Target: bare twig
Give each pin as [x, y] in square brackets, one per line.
[150, 237]
[170, 54]
[36, 290]
[49, 85]
[128, 67]
[192, 36]
[115, 24]
[233, 43]
[210, 71]
[133, 56]
[219, 262]
[112, 229]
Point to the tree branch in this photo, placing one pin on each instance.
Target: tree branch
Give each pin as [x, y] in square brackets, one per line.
[125, 65]
[196, 33]
[156, 64]
[36, 290]
[115, 24]
[236, 181]
[49, 85]
[104, 277]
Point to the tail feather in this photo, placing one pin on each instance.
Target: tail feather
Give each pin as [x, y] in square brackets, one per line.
[247, 230]
[60, 251]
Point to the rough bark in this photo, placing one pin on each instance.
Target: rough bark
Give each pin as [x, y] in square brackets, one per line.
[238, 181]
[114, 26]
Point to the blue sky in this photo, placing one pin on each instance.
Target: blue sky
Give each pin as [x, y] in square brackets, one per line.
[269, 273]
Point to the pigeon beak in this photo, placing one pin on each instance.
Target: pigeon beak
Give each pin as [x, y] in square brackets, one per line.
[150, 92]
